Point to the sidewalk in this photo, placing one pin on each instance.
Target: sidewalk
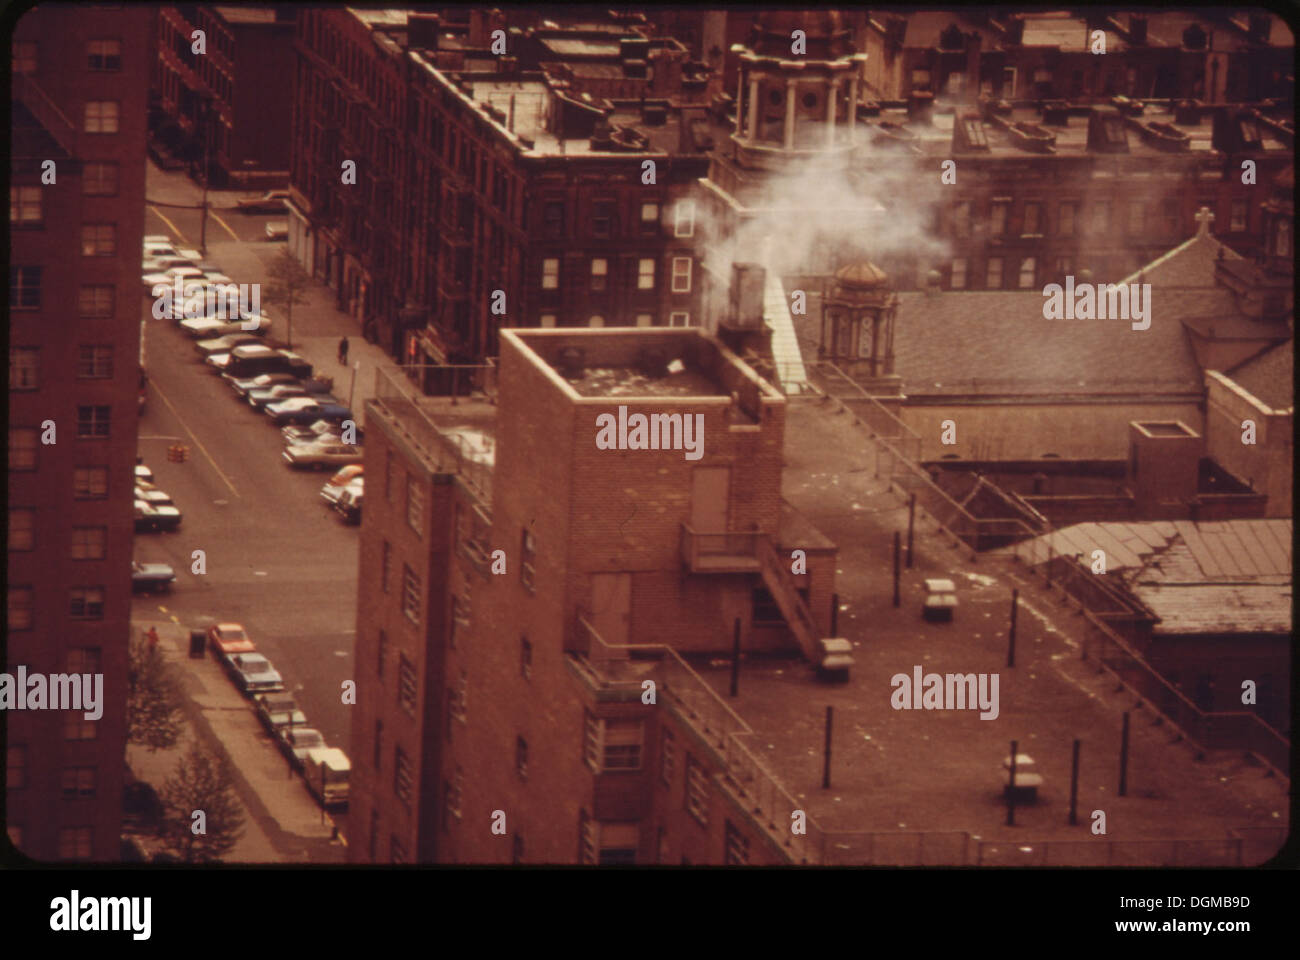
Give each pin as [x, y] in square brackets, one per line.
[283, 821]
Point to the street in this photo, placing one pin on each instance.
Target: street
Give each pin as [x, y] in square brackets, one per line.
[278, 560]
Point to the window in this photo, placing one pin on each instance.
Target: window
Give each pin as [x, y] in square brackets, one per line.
[645, 320]
[101, 116]
[381, 653]
[682, 274]
[588, 843]
[993, 279]
[517, 849]
[546, 320]
[998, 218]
[24, 365]
[75, 843]
[414, 503]
[602, 218]
[645, 273]
[667, 756]
[521, 757]
[99, 180]
[1137, 216]
[22, 528]
[104, 55]
[697, 792]
[84, 660]
[396, 851]
[92, 421]
[649, 217]
[98, 240]
[95, 301]
[94, 361]
[24, 57]
[551, 273]
[553, 220]
[1237, 221]
[379, 745]
[679, 318]
[1100, 216]
[527, 558]
[78, 783]
[86, 603]
[20, 608]
[401, 776]
[16, 767]
[1028, 271]
[611, 745]
[957, 280]
[386, 564]
[525, 645]
[599, 272]
[410, 594]
[406, 685]
[1066, 215]
[89, 543]
[737, 847]
[459, 620]
[77, 727]
[25, 288]
[1033, 214]
[26, 205]
[765, 608]
[88, 483]
[452, 796]
[961, 219]
[685, 226]
[617, 843]
[22, 448]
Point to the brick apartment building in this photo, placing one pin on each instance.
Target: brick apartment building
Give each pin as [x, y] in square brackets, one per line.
[80, 87]
[512, 690]
[495, 175]
[232, 101]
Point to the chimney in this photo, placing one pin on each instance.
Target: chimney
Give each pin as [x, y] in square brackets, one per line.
[422, 30]
[748, 285]
[1164, 467]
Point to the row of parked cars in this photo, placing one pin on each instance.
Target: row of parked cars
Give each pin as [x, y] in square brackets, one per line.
[154, 510]
[325, 769]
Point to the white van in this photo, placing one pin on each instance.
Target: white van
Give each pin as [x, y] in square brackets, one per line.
[326, 771]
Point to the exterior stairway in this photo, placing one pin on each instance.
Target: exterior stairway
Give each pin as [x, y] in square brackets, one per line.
[776, 577]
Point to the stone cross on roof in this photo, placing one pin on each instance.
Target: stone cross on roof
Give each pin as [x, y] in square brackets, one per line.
[1203, 217]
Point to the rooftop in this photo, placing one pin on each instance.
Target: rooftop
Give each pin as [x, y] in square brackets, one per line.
[1269, 376]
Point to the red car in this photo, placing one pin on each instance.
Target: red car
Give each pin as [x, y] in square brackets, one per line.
[228, 639]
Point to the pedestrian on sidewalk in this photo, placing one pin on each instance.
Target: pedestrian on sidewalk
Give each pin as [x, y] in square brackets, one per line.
[343, 351]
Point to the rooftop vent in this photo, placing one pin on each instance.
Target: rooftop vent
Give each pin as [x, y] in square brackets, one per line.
[571, 362]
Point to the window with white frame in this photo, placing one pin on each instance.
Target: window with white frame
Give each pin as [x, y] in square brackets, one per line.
[682, 274]
[685, 225]
[679, 318]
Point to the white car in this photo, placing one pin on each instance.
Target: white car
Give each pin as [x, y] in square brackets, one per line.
[323, 454]
[213, 327]
[153, 496]
[143, 473]
[168, 277]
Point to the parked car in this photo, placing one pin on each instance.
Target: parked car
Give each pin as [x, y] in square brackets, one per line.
[228, 639]
[259, 398]
[326, 771]
[157, 249]
[294, 742]
[319, 430]
[273, 201]
[249, 362]
[277, 230]
[149, 238]
[151, 519]
[241, 385]
[214, 327]
[349, 504]
[305, 410]
[334, 488]
[253, 673]
[151, 577]
[167, 277]
[277, 710]
[143, 473]
[153, 496]
[322, 454]
[228, 342]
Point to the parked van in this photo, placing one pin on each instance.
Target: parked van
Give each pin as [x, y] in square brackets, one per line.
[253, 361]
[326, 771]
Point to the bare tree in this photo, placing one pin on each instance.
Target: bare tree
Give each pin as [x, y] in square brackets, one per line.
[203, 818]
[153, 699]
[287, 286]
